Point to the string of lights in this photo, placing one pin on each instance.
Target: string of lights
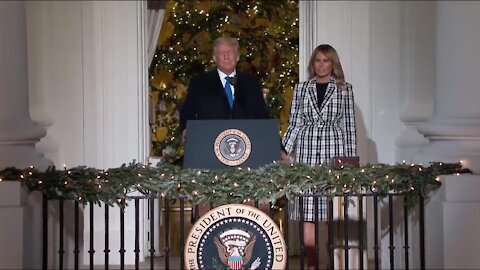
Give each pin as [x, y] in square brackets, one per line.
[222, 186]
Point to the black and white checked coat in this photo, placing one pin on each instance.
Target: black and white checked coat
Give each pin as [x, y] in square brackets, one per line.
[318, 133]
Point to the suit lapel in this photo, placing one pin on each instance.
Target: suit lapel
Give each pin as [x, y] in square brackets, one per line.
[331, 88]
[218, 87]
[238, 93]
[312, 93]
[218, 83]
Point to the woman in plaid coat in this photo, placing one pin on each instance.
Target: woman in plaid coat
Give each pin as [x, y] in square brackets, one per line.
[321, 127]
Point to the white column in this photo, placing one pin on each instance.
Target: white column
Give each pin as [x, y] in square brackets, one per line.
[89, 84]
[12, 213]
[18, 133]
[452, 219]
[417, 64]
[454, 129]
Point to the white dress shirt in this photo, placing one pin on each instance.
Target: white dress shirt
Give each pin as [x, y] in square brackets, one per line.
[222, 78]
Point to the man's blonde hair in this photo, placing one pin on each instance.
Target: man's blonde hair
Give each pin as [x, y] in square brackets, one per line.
[229, 40]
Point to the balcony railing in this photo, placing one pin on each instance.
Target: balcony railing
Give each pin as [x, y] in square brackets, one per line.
[365, 231]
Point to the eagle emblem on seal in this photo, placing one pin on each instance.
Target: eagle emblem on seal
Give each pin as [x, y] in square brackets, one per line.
[235, 248]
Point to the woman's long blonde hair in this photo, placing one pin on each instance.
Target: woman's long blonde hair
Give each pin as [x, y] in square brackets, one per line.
[331, 54]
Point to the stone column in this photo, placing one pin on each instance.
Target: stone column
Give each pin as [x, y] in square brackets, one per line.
[454, 129]
[451, 214]
[18, 133]
[19, 233]
[417, 64]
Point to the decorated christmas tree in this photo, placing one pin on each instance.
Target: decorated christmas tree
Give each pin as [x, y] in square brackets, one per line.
[268, 35]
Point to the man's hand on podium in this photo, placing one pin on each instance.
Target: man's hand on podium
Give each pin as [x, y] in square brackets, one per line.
[184, 136]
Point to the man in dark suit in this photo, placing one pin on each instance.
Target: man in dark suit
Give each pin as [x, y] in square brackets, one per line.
[223, 93]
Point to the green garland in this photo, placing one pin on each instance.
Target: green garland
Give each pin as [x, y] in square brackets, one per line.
[231, 185]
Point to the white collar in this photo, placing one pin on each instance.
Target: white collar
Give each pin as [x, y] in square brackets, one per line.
[223, 75]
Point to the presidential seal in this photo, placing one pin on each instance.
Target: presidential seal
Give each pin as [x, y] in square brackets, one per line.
[232, 147]
[235, 236]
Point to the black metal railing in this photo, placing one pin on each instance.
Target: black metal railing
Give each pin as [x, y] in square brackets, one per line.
[346, 232]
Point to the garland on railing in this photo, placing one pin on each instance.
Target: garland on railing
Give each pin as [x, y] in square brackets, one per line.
[232, 185]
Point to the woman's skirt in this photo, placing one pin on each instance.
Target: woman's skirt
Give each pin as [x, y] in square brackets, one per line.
[305, 205]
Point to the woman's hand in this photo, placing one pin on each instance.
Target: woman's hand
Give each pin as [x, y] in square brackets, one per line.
[284, 156]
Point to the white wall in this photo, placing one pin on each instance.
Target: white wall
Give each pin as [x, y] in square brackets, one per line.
[88, 87]
[387, 53]
[86, 81]
[384, 47]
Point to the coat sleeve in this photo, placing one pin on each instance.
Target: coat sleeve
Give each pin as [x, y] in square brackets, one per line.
[349, 126]
[187, 110]
[296, 119]
[260, 107]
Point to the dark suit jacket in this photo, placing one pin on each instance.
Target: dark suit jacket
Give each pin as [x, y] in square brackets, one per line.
[206, 99]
